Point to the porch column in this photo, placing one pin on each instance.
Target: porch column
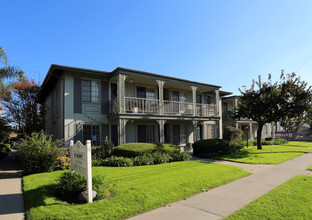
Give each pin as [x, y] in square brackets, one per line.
[236, 125]
[195, 123]
[161, 123]
[121, 92]
[219, 114]
[194, 88]
[250, 132]
[161, 96]
[122, 131]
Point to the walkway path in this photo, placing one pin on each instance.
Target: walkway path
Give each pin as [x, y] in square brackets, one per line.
[11, 193]
[253, 168]
[224, 200]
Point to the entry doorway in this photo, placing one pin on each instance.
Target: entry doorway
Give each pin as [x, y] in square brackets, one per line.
[176, 134]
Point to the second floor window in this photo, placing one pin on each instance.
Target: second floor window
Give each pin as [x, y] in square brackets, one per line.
[90, 91]
[150, 93]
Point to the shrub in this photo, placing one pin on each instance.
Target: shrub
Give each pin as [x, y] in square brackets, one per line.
[279, 141]
[103, 151]
[114, 161]
[97, 162]
[36, 158]
[70, 185]
[232, 134]
[268, 139]
[143, 160]
[267, 142]
[180, 157]
[4, 150]
[137, 149]
[216, 147]
[62, 163]
[159, 158]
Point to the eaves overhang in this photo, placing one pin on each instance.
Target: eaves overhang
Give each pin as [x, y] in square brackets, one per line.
[164, 77]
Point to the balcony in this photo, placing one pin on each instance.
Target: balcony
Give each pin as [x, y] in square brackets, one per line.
[135, 105]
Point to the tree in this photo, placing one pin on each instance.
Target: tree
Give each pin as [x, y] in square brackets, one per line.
[5, 130]
[287, 100]
[260, 105]
[7, 72]
[296, 101]
[22, 106]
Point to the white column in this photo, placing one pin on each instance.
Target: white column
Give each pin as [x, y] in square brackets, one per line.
[122, 131]
[250, 132]
[161, 123]
[219, 114]
[121, 92]
[89, 172]
[71, 155]
[194, 88]
[161, 95]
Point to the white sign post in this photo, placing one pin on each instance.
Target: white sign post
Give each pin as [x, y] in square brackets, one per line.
[80, 162]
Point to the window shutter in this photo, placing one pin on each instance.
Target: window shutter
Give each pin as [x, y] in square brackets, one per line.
[104, 97]
[104, 132]
[78, 135]
[77, 96]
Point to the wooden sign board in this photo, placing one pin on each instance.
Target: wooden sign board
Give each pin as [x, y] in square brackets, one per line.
[80, 162]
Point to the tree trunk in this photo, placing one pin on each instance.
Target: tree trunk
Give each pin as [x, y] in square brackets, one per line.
[259, 137]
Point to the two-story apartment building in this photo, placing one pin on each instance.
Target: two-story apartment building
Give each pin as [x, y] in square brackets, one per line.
[127, 105]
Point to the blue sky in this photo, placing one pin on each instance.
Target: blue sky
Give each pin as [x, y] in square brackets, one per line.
[226, 43]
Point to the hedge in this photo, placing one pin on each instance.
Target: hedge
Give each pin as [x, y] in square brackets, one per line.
[4, 150]
[216, 147]
[137, 149]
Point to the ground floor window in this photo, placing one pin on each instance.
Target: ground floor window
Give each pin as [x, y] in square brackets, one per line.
[146, 133]
[91, 132]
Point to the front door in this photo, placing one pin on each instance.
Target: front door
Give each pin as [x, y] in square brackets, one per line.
[176, 134]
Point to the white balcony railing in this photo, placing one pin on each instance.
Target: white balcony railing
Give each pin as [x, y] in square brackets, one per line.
[206, 110]
[178, 108]
[141, 105]
[152, 106]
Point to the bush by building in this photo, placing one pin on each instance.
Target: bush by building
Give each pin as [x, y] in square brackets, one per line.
[5, 149]
[38, 153]
[216, 147]
[137, 149]
[232, 134]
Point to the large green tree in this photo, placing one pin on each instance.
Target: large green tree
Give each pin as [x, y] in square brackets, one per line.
[296, 101]
[286, 100]
[259, 103]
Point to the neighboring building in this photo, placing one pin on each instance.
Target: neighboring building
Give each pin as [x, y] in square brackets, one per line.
[129, 106]
[246, 125]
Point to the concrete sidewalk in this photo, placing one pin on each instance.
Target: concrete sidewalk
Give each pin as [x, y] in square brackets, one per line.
[11, 192]
[224, 200]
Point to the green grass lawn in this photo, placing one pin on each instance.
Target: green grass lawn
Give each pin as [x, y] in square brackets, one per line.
[309, 169]
[136, 189]
[291, 200]
[270, 154]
